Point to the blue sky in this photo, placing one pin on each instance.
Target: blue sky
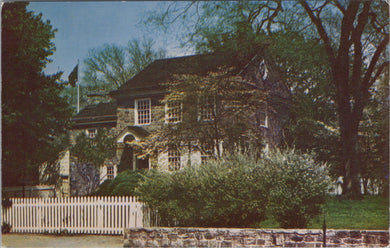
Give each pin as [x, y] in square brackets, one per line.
[86, 25]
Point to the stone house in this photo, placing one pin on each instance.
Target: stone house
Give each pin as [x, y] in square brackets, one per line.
[136, 109]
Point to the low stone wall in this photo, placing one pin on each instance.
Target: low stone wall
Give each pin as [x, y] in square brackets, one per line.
[213, 237]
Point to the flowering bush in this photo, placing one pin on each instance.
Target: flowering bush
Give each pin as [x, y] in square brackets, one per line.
[298, 190]
[238, 191]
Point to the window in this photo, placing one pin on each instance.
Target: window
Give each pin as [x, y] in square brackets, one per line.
[206, 153]
[262, 116]
[173, 111]
[173, 159]
[91, 133]
[110, 172]
[206, 108]
[142, 111]
[262, 119]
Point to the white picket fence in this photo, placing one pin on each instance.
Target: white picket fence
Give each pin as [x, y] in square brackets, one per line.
[78, 215]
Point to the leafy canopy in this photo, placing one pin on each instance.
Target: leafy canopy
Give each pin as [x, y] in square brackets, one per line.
[33, 113]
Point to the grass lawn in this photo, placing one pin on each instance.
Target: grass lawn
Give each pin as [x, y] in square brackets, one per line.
[370, 213]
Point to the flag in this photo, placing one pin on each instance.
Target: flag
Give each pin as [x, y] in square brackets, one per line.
[73, 76]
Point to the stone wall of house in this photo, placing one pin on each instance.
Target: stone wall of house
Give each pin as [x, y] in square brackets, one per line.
[202, 237]
[126, 118]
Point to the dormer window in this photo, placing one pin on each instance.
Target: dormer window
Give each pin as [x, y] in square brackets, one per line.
[142, 111]
[173, 111]
[91, 133]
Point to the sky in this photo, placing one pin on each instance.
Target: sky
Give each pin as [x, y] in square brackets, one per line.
[83, 26]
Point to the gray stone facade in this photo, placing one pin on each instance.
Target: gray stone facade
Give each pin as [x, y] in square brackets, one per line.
[229, 237]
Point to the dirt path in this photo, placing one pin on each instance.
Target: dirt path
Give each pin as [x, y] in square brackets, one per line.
[41, 240]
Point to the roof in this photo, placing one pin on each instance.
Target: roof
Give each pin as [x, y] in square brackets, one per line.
[101, 114]
[161, 70]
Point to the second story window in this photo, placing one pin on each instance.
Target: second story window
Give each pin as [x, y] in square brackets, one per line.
[173, 111]
[142, 111]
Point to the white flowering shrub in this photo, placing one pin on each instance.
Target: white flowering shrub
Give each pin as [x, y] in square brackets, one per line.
[298, 187]
[238, 190]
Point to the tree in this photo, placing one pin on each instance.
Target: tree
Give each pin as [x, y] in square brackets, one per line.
[374, 140]
[110, 66]
[356, 62]
[217, 107]
[354, 36]
[94, 150]
[33, 114]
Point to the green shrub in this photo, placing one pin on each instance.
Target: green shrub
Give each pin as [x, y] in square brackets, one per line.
[237, 191]
[226, 193]
[124, 184]
[298, 188]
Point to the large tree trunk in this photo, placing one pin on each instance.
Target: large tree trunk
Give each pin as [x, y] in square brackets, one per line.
[349, 126]
[349, 153]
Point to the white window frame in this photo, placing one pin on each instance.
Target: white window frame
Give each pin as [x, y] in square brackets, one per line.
[206, 108]
[174, 159]
[110, 168]
[263, 111]
[265, 123]
[173, 118]
[91, 133]
[146, 118]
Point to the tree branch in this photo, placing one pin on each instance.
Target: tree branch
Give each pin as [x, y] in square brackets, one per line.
[346, 29]
[321, 30]
[374, 60]
[339, 6]
[356, 39]
[378, 73]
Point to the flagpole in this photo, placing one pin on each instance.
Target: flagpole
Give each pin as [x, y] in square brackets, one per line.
[78, 88]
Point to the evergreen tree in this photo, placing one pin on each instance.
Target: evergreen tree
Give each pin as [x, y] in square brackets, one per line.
[33, 114]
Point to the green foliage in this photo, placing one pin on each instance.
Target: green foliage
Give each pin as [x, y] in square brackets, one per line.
[34, 115]
[298, 188]
[238, 191]
[95, 150]
[228, 193]
[124, 184]
[332, 52]
[319, 138]
[232, 106]
[374, 139]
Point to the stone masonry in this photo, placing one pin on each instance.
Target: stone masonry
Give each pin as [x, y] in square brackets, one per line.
[212, 237]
